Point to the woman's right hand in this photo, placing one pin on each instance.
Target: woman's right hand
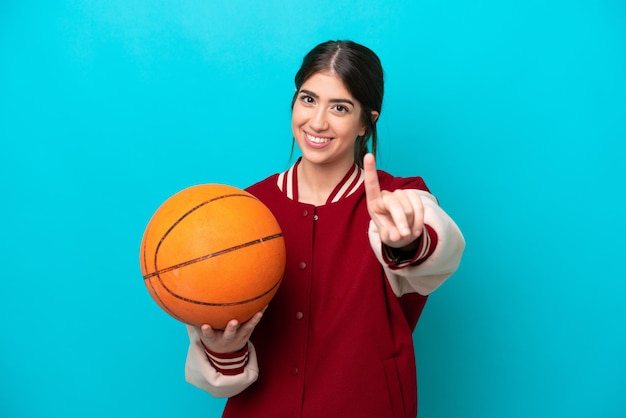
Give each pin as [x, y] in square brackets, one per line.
[232, 338]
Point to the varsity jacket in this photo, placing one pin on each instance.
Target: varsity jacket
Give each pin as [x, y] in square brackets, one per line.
[336, 340]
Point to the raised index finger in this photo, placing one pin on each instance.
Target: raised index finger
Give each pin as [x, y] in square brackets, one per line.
[372, 187]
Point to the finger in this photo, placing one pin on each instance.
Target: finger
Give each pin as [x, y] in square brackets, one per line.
[372, 186]
[399, 219]
[418, 213]
[403, 197]
[206, 331]
[231, 329]
[248, 326]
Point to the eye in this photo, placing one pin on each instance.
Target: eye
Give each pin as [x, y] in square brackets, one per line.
[342, 109]
[305, 98]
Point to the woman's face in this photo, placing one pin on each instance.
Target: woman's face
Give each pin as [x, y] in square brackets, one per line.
[326, 120]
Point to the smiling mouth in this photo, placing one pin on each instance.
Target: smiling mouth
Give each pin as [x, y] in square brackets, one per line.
[317, 139]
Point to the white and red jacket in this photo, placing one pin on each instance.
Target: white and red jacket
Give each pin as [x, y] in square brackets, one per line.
[336, 340]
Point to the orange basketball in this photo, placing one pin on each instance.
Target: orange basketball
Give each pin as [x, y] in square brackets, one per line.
[212, 253]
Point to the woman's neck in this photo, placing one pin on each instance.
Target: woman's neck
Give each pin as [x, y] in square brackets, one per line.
[316, 182]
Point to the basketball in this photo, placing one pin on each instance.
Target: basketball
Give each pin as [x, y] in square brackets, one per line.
[212, 253]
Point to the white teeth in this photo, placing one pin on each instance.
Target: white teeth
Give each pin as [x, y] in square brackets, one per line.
[317, 140]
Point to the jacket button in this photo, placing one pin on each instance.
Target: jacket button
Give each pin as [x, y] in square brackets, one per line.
[299, 315]
[295, 371]
[305, 213]
[301, 265]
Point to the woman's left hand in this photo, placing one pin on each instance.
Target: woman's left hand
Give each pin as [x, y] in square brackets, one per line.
[398, 215]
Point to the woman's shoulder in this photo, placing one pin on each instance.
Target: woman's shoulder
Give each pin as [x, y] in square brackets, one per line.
[265, 186]
[390, 182]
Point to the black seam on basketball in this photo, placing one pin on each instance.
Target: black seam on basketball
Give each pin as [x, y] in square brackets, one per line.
[221, 304]
[212, 255]
[158, 272]
[189, 212]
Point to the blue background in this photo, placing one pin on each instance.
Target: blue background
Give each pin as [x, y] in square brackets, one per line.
[513, 112]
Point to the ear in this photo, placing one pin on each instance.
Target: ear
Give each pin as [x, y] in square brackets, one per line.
[374, 117]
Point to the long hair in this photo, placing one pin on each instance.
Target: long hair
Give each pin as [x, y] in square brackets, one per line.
[360, 70]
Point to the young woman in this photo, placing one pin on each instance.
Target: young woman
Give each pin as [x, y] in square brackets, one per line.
[364, 250]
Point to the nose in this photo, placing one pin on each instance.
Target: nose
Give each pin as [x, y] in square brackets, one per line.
[318, 119]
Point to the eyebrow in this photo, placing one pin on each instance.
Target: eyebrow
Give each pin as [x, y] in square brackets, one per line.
[315, 96]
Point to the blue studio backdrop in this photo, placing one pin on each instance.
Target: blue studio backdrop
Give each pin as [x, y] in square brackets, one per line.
[512, 111]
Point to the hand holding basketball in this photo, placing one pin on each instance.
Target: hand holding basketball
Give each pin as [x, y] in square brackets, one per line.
[232, 338]
[398, 215]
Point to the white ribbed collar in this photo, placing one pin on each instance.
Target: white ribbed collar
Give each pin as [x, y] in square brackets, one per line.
[287, 182]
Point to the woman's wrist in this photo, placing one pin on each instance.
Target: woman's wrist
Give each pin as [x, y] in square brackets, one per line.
[228, 363]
